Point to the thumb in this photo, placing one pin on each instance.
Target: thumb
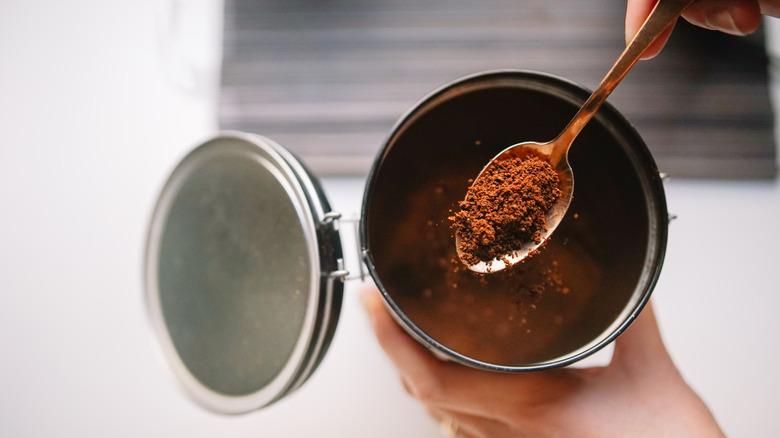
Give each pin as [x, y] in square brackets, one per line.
[636, 14]
[641, 345]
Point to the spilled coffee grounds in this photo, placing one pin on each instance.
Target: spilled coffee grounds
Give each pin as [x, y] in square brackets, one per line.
[505, 208]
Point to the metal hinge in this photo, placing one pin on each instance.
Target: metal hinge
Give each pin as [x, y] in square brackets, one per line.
[336, 220]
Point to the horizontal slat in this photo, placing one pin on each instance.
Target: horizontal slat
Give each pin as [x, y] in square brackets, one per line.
[329, 79]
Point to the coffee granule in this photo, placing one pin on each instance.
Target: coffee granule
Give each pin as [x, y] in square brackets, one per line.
[505, 208]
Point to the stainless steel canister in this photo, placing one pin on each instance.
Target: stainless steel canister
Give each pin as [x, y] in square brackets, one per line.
[244, 265]
[573, 298]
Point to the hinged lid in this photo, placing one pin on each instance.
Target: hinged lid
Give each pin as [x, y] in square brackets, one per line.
[237, 273]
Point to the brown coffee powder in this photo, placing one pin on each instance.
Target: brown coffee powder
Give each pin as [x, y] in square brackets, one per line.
[505, 208]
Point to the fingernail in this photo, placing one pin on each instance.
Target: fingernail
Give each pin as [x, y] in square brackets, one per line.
[408, 388]
[724, 20]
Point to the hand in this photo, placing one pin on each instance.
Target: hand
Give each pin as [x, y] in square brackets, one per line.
[736, 17]
[641, 393]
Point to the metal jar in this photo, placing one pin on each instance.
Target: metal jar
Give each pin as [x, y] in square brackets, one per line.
[574, 297]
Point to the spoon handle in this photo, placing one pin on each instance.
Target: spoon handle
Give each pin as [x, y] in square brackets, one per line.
[662, 16]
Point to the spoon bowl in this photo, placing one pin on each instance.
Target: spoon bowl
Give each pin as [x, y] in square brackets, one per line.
[555, 152]
[553, 215]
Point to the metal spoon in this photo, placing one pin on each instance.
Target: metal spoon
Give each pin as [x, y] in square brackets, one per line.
[556, 151]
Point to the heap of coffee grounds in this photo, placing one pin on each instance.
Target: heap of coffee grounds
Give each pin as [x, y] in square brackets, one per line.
[505, 208]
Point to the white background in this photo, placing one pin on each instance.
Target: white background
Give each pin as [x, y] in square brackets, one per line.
[98, 100]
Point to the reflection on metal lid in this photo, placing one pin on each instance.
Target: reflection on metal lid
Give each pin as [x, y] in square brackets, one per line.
[233, 275]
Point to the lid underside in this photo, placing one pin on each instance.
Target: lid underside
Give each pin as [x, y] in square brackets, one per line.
[233, 275]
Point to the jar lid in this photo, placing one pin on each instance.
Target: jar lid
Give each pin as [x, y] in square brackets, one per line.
[239, 273]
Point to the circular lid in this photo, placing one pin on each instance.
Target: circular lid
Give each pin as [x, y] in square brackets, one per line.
[237, 262]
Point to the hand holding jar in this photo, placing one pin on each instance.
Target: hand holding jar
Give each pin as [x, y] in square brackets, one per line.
[640, 393]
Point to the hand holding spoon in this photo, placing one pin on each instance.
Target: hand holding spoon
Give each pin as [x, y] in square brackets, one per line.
[556, 151]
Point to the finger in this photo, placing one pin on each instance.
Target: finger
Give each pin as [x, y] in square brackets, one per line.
[411, 360]
[458, 424]
[735, 17]
[636, 14]
[641, 346]
[770, 7]
[446, 385]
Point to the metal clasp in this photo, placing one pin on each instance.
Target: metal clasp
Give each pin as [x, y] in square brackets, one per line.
[336, 220]
[665, 177]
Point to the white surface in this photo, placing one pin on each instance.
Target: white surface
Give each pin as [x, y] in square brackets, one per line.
[91, 122]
